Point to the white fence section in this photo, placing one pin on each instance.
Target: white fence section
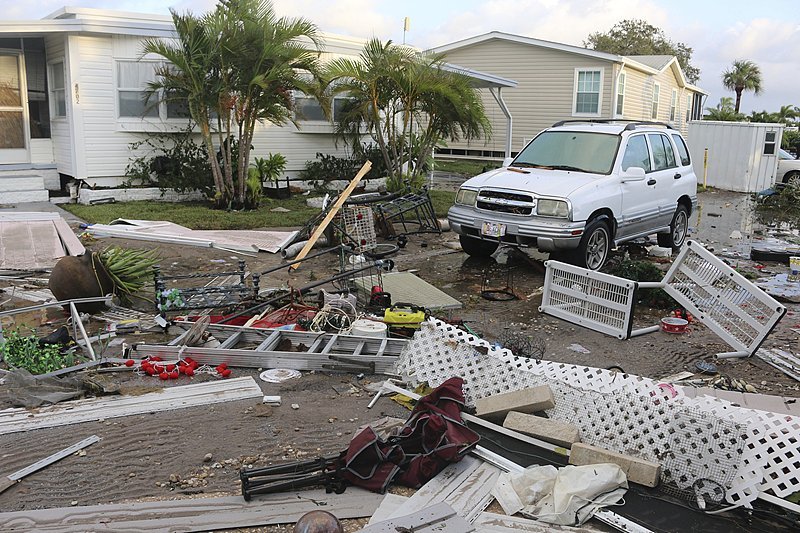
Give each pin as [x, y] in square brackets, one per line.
[697, 440]
[591, 299]
[722, 299]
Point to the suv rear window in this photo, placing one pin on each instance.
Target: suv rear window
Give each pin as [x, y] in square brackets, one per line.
[682, 150]
[571, 150]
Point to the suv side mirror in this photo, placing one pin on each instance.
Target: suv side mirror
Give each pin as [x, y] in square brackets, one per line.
[633, 174]
[507, 161]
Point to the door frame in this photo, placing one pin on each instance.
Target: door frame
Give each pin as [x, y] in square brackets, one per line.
[19, 155]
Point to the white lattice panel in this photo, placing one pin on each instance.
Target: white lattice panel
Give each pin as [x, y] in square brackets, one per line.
[359, 224]
[724, 300]
[693, 438]
[591, 299]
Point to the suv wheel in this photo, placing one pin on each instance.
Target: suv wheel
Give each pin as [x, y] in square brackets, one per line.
[678, 229]
[595, 245]
[477, 247]
[792, 176]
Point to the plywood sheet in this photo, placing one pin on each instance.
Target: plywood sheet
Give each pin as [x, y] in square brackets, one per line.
[199, 514]
[406, 287]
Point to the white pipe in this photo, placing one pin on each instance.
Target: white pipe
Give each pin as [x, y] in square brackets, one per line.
[291, 251]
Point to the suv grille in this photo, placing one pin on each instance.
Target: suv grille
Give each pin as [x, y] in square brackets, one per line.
[506, 202]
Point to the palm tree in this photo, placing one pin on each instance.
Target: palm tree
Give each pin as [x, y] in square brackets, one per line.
[742, 76]
[236, 66]
[406, 101]
[787, 114]
[723, 111]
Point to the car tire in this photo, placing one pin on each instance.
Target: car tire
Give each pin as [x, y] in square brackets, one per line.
[792, 176]
[595, 245]
[678, 229]
[477, 247]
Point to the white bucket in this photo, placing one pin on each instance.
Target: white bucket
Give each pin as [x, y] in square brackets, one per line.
[369, 328]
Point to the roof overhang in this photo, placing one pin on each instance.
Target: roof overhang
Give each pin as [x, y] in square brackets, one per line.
[527, 41]
[480, 80]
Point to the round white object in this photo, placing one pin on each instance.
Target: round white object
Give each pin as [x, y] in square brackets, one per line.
[278, 375]
[368, 328]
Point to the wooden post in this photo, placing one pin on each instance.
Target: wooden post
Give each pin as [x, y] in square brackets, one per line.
[332, 213]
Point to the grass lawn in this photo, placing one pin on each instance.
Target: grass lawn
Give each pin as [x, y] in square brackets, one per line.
[465, 167]
[197, 215]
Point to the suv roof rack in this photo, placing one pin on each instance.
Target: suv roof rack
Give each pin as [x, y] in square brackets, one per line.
[631, 124]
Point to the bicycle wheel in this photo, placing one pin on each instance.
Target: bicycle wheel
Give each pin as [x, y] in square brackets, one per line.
[382, 250]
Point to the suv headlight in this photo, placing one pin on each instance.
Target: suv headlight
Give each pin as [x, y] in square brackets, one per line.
[466, 197]
[552, 208]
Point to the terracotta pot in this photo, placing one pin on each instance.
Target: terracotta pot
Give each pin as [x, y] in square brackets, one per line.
[80, 277]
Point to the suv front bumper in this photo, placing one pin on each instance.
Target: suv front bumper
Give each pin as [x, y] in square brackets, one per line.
[546, 234]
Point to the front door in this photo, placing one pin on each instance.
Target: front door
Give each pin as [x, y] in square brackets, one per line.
[13, 113]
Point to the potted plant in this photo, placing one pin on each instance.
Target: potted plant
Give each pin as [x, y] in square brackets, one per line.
[269, 170]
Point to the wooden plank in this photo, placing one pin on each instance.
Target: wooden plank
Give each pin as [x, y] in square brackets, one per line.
[440, 487]
[72, 244]
[388, 505]
[73, 412]
[332, 213]
[198, 514]
[437, 518]
[498, 523]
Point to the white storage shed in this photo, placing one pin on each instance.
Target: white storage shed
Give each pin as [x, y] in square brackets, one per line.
[742, 156]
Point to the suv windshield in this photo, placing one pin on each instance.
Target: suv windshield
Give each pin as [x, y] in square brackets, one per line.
[570, 150]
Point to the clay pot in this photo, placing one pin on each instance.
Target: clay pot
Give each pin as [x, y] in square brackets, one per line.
[318, 522]
[80, 277]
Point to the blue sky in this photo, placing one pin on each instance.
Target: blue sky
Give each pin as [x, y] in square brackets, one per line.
[767, 32]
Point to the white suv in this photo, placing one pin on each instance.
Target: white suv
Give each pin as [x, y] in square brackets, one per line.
[580, 188]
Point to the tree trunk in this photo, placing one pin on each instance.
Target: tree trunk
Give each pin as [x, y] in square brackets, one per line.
[738, 99]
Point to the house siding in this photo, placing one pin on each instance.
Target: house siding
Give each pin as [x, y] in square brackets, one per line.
[544, 95]
[639, 97]
[60, 131]
[108, 138]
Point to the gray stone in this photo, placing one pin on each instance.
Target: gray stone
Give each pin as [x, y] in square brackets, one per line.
[524, 401]
[638, 470]
[554, 431]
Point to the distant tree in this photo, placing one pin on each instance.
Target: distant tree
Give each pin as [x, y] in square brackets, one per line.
[763, 116]
[637, 37]
[787, 114]
[724, 111]
[742, 76]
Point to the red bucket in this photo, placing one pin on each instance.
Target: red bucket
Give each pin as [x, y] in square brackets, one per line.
[674, 325]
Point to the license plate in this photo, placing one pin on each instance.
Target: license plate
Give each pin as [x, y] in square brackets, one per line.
[493, 229]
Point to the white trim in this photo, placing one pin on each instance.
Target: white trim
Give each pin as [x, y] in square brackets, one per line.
[674, 107]
[655, 100]
[51, 90]
[481, 79]
[528, 41]
[74, 109]
[19, 155]
[622, 81]
[578, 70]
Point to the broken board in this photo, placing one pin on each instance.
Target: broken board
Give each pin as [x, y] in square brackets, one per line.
[406, 287]
[35, 241]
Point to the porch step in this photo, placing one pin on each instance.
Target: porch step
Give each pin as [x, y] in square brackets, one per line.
[21, 197]
[20, 188]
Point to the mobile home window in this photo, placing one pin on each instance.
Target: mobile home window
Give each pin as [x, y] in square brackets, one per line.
[688, 108]
[673, 106]
[132, 93]
[654, 109]
[587, 92]
[620, 95]
[769, 143]
[307, 108]
[57, 86]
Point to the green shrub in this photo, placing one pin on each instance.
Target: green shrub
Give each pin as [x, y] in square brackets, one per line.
[644, 271]
[21, 351]
[326, 167]
[173, 162]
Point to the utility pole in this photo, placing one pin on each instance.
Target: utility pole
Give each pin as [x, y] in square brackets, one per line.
[406, 27]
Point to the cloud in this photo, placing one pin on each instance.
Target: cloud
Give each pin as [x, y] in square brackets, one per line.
[568, 22]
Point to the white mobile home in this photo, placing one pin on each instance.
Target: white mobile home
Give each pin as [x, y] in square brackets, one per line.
[742, 156]
[71, 88]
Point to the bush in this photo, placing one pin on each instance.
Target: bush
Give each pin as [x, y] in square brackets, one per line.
[173, 162]
[782, 209]
[327, 168]
[21, 351]
[791, 142]
[644, 271]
